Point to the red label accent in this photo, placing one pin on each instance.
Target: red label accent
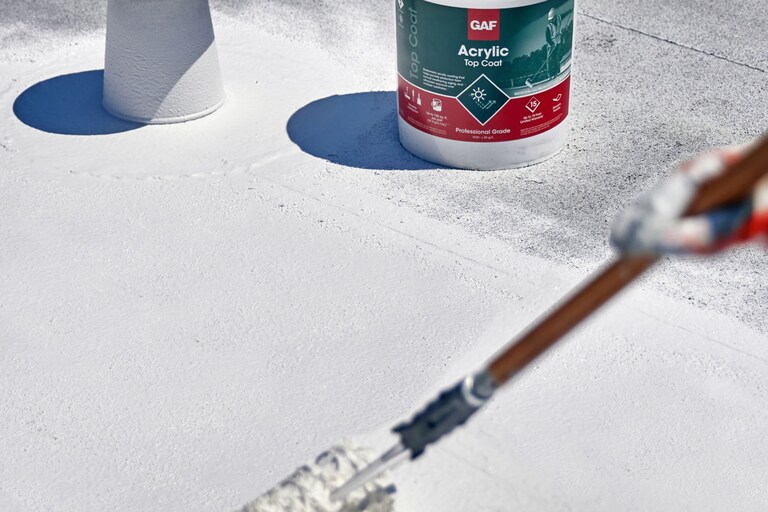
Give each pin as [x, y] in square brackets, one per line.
[521, 117]
[484, 25]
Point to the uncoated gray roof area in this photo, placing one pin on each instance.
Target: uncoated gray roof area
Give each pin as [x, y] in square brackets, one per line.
[733, 30]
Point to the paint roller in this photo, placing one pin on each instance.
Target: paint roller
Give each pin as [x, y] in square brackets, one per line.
[344, 479]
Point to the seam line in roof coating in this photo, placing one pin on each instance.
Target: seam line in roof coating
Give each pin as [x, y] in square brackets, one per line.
[366, 220]
[680, 45]
[487, 266]
[704, 336]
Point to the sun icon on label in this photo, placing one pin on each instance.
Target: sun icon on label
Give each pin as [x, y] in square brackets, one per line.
[478, 94]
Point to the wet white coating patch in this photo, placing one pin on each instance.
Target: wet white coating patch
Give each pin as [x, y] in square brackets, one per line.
[247, 131]
[310, 487]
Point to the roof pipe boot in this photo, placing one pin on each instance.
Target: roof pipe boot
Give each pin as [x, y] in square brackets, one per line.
[161, 63]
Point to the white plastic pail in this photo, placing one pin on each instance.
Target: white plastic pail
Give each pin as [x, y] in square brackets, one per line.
[484, 84]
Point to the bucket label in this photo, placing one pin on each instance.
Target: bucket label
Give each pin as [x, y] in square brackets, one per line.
[484, 75]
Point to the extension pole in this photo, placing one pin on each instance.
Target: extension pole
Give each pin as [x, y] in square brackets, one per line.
[455, 406]
[735, 184]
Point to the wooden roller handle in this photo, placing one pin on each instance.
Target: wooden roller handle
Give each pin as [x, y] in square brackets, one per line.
[735, 184]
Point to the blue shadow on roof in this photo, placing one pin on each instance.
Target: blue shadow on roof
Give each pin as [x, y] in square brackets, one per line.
[356, 130]
[69, 105]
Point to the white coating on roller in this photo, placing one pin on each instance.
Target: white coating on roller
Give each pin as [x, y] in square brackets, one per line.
[161, 63]
[309, 488]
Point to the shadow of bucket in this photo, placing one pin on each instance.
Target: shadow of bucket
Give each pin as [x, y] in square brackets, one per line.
[355, 130]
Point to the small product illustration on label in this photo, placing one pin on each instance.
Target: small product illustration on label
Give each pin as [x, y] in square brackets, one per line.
[486, 75]
[483, 99]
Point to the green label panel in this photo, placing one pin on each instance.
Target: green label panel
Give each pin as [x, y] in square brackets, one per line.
[484, 75]
[521, 50]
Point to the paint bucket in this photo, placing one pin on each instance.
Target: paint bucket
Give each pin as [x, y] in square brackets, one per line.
[484, 84]
[161, 63]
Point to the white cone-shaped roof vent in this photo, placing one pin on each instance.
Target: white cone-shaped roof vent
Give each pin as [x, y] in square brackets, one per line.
[161, 65]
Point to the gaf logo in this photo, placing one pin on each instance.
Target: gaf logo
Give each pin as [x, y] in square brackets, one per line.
[484, 25]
